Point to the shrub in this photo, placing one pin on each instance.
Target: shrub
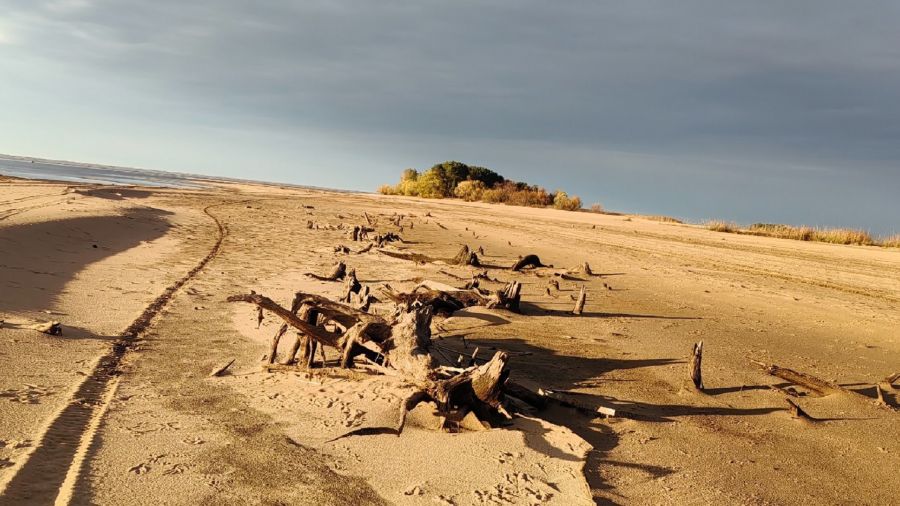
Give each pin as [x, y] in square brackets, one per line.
[722, 226]
[562, 201]
[596, 207]
[494, 196]
[469, 190]
[891, 242]
[387, 189]
[431, 185]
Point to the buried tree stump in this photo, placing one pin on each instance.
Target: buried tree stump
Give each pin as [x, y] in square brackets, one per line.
[527, 261]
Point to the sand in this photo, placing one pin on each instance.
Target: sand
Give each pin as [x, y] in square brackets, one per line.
[85, 421]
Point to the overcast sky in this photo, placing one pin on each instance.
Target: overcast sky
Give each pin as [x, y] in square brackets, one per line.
[746, 110]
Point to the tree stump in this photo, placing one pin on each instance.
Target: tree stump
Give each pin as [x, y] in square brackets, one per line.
[696, 366]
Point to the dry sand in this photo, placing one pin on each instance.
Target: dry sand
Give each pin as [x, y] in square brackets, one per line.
[85, 420]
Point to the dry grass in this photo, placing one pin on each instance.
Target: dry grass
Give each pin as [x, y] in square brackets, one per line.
[891, 241]
[722, 226]
[657, 217]
[805, 233]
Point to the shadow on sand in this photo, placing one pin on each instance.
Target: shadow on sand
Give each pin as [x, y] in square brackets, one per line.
[37, 260]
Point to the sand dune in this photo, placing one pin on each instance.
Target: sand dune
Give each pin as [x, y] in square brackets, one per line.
[86, 421]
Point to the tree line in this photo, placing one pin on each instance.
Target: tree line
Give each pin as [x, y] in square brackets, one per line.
[471, 183]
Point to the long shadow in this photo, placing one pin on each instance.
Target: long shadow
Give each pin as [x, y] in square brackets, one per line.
[116, 193]
[535, 365]
[529, 308]
[38, 260]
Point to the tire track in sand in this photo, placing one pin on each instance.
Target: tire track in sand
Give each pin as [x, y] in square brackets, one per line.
[50, 472]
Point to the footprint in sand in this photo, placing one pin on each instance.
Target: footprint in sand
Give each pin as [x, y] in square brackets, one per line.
[196, 440]
[30, 394]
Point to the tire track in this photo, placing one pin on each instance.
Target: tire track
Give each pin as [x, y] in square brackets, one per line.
[49, 473]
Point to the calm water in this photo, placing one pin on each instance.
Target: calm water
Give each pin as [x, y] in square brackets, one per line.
[60, 171]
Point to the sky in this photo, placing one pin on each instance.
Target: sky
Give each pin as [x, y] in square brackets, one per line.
[765, 111]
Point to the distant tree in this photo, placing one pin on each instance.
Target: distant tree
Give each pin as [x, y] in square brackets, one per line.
[431, 185]
[486, 176]
[409, 175]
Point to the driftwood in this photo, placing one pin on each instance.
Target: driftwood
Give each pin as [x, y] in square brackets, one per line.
[386, 237]
[579, 303]
[218, 371]
[890, 380]
[403, 348]
[527, 261]
[570, 401]
[586, 269]
[337, 273]
[696, 366]
[446, 301]
[351, 287]
[465, 257]
[818, 386]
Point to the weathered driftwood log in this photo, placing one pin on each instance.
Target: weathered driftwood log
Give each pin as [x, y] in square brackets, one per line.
[696, 366]
[817, 385]
[445, 302]
[318, 333]
[365, 249]
[273, 349]
[579, 302]
[586, 269]
[572, 402]
[340, 248]
[527, 261]
[337, 273]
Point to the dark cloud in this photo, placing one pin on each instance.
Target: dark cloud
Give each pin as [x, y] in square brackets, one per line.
[713, 97]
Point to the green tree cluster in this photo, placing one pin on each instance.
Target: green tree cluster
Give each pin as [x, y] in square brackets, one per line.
[472, 183]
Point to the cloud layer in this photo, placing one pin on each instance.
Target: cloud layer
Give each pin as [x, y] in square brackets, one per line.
[754, 110]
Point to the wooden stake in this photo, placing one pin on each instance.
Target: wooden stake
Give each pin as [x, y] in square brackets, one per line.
[696, 364]
[579, 303]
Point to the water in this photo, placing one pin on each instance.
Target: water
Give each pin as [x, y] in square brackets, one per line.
[82, 173]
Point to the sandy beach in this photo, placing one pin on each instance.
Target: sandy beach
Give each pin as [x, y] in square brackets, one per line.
[120, 408]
